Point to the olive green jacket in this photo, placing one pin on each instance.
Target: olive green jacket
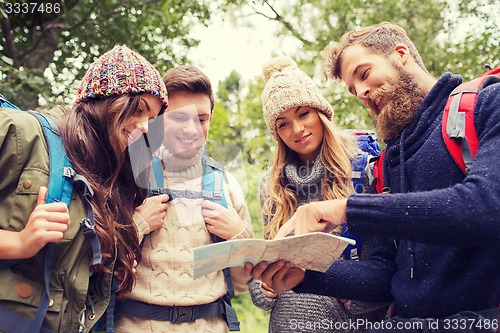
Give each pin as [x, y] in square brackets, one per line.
[24, 167]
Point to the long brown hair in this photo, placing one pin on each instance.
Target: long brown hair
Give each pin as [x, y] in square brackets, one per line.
[336, 153]
[90, 133]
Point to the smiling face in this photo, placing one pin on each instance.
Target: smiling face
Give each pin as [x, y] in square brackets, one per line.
[138, 124]
[187, 121]
[301, 130]
[383, 85]
[368, 76]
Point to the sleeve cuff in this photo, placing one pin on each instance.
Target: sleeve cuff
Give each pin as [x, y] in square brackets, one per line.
[246, 232]
[141, 225]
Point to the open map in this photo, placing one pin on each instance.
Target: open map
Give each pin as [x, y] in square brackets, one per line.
[315, 251]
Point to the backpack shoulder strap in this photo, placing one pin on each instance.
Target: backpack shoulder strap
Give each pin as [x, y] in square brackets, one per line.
[378, 172]
[213, 180]
[156, 179]
[458, 129]
[6, 104]
[60, 188]
[62, 177]
[61, 169]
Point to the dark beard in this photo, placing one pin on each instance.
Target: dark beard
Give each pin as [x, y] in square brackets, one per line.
[405, 97]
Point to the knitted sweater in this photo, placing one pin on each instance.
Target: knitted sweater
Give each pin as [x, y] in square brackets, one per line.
[448, 224]
[165, 274]
[292, 312]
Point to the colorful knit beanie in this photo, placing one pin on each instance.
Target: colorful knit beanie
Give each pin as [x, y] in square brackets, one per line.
[121, 71]
[288, 87]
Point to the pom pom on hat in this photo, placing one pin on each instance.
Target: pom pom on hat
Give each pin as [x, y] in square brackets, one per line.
[121, 71]
[277, 65]
[288, 87]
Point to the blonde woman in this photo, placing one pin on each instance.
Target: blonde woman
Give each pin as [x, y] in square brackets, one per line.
[312, 163]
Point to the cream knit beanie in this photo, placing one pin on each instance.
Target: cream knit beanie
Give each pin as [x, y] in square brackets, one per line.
[288, 87]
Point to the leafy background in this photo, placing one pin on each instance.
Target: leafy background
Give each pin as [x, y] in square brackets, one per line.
[42, 61]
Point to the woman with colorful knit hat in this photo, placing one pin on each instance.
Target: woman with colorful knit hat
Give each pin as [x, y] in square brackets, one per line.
[312, 163]
[94, 238]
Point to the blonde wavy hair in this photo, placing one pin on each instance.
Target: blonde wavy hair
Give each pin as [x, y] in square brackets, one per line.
[337, 151]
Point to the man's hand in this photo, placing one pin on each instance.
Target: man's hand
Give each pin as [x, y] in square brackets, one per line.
[316, 216]
[268, 292]
[153, 210]
[221, 221]
[279, 276]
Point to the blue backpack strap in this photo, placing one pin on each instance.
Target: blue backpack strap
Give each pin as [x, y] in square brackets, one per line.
[60, 188]
[157, 172]
[61, 179]
[213, 182]
[13, 322]
[6, 104]
[62, 173]
[107, 321]
[156, 178]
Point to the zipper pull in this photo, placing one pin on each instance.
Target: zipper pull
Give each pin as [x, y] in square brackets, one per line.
[412, 257]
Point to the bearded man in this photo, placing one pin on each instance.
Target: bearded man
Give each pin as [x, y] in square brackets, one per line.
[437, 246]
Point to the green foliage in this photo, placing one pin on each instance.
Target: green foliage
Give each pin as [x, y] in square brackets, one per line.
[238, 119]
[431, 24]
[64, 47]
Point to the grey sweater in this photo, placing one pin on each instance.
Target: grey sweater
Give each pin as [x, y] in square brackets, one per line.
[293, 312]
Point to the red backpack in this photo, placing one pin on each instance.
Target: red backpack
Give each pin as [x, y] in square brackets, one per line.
[459, 132]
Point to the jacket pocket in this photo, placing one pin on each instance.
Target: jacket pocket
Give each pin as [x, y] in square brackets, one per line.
[24, 296]
[25, 198]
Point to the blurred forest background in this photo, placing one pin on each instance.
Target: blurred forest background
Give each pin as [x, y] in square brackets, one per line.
[42, 59]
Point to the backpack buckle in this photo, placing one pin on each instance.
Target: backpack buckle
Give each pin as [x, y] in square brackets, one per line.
[69, 172]
[191, 194]
[183, 314]
[207, 195]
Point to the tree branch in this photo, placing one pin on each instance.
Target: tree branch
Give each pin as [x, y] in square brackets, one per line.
[107, 14]
[9, 46]
[45, 31]
[287, 24]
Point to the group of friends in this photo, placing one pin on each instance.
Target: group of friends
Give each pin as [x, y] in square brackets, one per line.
[431, 242]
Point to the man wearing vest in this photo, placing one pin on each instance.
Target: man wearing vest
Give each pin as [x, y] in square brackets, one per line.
[166, 298]
[437, 248]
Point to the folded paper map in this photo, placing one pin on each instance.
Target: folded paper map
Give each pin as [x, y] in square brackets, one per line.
[315, 251]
